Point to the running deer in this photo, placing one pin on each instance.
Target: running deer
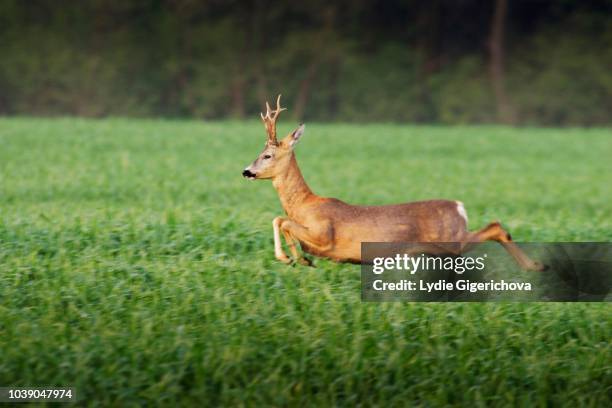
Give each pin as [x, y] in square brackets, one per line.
[330, 228]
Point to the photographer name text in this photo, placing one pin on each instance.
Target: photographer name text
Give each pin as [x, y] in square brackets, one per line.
[443, 285]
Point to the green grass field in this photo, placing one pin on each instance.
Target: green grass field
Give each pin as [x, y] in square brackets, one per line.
[136, 265]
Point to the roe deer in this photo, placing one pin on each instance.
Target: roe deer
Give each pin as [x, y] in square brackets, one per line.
[330, 228]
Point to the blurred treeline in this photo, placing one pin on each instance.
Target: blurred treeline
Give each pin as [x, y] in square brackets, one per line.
[456, 61]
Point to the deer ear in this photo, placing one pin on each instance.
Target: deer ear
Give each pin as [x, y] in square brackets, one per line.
[293, 138]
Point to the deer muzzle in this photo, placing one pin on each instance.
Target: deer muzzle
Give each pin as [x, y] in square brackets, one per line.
[247, 174]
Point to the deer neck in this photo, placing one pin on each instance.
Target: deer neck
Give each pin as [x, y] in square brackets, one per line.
[291, 187]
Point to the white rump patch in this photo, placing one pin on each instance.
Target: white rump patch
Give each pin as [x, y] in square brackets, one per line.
[461, 211]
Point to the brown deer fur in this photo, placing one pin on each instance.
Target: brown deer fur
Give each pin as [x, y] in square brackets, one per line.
[330, 228]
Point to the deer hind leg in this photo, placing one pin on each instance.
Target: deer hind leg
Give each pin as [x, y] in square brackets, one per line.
[495, 232]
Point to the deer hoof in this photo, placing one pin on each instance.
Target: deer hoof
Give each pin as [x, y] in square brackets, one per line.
[304, 261]
[538, 267]
[284, 259]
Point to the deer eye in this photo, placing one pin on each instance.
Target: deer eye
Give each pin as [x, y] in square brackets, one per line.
[267, 156]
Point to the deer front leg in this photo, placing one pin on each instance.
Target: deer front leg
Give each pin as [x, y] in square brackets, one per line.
[278, 247]
[319, 240]
[291, 243]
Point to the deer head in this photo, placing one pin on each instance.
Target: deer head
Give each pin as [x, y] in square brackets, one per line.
[275, 157]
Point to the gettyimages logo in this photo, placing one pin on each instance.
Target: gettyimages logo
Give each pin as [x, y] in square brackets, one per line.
[412, 264]
[434, 272]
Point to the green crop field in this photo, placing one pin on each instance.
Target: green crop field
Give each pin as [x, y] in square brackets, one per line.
[136, 265]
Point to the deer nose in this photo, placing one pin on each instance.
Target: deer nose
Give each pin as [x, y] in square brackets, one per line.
[247, 173]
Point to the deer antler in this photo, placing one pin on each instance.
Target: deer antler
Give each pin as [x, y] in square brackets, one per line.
[269, 120]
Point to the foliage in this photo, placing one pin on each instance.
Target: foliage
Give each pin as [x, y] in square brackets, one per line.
[405, 61]
[136, 265]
